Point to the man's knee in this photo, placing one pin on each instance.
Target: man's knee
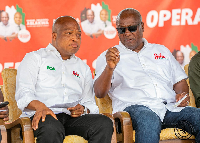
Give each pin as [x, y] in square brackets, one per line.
[143, 117]
[104, 122]
[50, 128]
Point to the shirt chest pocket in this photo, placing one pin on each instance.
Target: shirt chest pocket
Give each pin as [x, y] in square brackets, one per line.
[49, 76]
[163, 68]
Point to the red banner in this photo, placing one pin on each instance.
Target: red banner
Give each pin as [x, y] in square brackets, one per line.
[174, 24]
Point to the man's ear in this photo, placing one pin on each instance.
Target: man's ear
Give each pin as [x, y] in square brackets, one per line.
[142, 24]
[54, 36]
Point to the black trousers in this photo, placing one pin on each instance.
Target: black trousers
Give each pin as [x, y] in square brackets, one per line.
[95, 128]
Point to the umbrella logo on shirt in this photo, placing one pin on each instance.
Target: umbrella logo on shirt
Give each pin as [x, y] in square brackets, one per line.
[76, 74]
[159, 56]
[51, 68]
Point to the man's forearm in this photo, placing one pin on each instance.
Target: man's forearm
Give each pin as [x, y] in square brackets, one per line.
[103, 83]
[181, 87]
[35, 104]
[11, 37]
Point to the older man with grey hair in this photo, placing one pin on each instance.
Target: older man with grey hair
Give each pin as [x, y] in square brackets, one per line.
[146, 81]
[7, 31]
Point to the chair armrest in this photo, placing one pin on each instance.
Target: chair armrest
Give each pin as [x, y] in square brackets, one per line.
[114, 136]
[25, 124]
[3, 131]
[126, 126]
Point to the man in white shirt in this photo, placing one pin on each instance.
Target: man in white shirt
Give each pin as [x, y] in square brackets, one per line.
[54, 89]
[146, 81]
[7, 31]
[90, 26]
[104, 19]
[18, 22]
[180, 58]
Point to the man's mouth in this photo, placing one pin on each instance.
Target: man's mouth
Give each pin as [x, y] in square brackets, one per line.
[74, 45]
[129, 40]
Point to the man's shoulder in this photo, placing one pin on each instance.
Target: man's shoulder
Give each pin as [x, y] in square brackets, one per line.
[81, 62]
[84, 22]
[108, 22]
[38, 52]
[155, 45]
[22, 26]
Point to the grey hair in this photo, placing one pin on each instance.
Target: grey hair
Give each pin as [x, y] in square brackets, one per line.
[129, 10]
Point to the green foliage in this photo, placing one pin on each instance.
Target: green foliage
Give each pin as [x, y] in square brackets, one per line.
[194, 48]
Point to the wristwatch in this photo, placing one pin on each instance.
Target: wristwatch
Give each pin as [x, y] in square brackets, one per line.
[85, 110]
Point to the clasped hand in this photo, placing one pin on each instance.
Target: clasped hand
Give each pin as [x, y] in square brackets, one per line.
[185, 102]
[76, 111]
[4, 114]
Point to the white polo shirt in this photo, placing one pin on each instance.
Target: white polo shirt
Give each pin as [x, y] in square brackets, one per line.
[6, 30]
[104, 24]
[89, 27]
[144, 78]
[43, 75]
[19, 27]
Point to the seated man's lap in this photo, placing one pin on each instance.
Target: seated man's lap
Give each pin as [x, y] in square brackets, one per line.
[189, 116]
[143, 117]
[87, 124]
[81, 126]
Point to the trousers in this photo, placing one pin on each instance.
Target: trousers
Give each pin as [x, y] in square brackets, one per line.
[148, 125]
[95, 128]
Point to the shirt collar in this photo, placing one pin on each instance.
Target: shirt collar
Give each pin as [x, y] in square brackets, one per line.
[92, 22]
[50, 47]
[143, 40]
[5, 25]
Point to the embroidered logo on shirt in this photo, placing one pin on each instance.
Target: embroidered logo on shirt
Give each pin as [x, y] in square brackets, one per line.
[51, 68]
[76, 74]
[159, 56]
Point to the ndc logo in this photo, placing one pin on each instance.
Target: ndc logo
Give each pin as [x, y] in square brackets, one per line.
[51, 68]
[159, 56]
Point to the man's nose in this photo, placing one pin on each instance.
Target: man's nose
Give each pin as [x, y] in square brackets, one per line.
[127, 32]
[75, 37]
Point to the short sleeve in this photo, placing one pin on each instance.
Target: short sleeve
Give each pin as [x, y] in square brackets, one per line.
[178, 73]
[100, 65]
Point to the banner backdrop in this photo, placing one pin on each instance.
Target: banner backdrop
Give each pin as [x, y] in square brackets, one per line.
[173, 23]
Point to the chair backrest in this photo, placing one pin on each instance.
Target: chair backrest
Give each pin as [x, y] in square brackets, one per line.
[9, 86]
[192, 99]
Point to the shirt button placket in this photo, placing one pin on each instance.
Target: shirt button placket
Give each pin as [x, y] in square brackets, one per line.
[63, 75]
